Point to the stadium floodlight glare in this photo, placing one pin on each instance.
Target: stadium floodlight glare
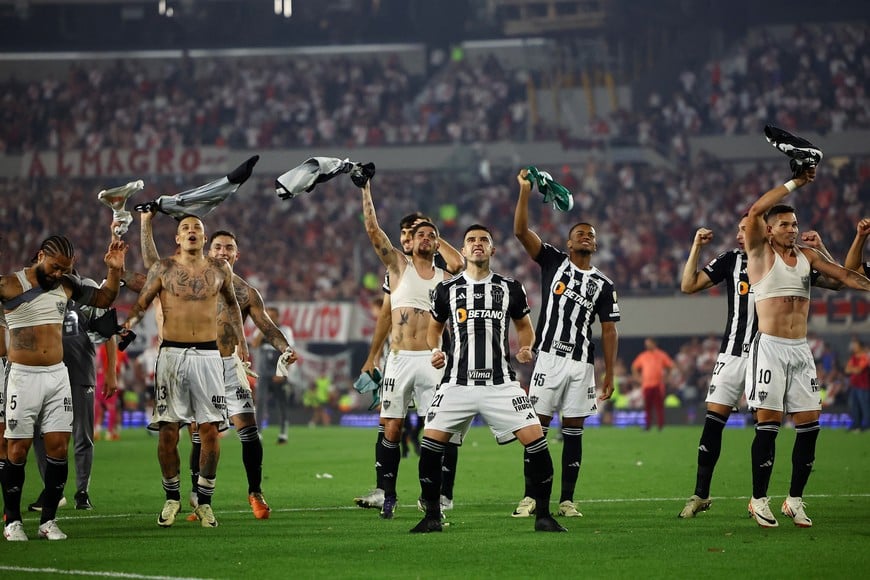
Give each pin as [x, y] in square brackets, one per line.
[283, 7]
[164, 10]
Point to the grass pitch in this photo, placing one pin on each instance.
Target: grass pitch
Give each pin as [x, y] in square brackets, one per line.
[632, 486]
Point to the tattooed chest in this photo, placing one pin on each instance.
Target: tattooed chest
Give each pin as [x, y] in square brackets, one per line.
[193, 285]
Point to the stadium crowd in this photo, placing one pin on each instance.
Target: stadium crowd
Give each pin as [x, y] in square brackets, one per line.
[809, 79]
[645, 218]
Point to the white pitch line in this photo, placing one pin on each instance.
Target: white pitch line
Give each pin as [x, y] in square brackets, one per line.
[469, 504]
[92, 573]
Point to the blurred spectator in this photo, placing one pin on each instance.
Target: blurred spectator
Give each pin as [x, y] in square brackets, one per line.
[858, 369]
[652, 368]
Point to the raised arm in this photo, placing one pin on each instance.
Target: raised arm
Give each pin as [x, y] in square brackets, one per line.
[452, 257]
[756, 230]
[384, 248]
[528, 238]
[849, 278]
[695, 280]
[264, 322]
[146, 239]
[812, 239]
[114, 259]
[855, 256]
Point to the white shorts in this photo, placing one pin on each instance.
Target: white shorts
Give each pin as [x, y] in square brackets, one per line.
[781, 375]
[408, 376]
[189, 387]
[728, 380]
[505, 408]
[240, 398]
[560, 384]
[38, 395]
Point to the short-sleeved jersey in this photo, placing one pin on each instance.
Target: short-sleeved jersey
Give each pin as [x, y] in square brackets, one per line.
[742, 324]
[572, 299]
[478, 315]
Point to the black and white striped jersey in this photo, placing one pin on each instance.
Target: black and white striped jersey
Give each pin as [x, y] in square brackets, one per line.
[478, 314]
[572, 299]
[742, 324]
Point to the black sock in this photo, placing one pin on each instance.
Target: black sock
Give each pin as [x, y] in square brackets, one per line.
[205, 489]
[195, 450]
[572, 457]
[802, 456]
[709, 449]
[529, 489]
[388, 457]
[429, 470]
[539, 470]
[448, 469]
[379, 478]
[172, 488]
[763, 448]
[56, 471]
[14, 484]
[252, 457]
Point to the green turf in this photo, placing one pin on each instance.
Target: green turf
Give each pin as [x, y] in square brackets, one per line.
[632, 485]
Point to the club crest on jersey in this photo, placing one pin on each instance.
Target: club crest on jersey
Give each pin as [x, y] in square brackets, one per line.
[560, 289]
[591, 289]
[61, 308]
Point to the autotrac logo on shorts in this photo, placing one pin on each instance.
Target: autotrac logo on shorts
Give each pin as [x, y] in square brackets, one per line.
[521, 403]
[67, 405]
[242, 394]
[462, 315]
[219, 402]
[561, 289]
[814, 385]
[480, 374]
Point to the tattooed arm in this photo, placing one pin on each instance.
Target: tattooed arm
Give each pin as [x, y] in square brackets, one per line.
[389, 255]
[234, 313]
[153, 286]
[146, 234]
[261, 319]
